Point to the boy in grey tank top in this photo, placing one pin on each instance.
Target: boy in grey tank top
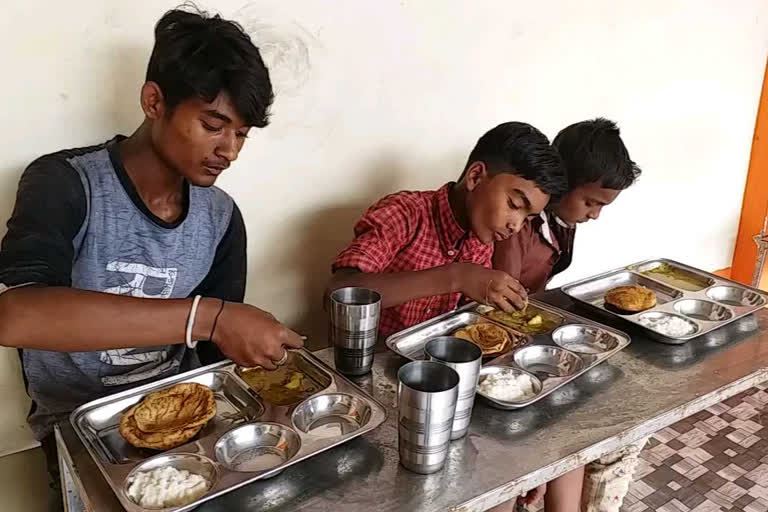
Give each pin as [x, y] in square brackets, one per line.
[99, 234]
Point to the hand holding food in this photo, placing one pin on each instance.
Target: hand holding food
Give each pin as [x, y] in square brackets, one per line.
[252, 337]
[491, 287]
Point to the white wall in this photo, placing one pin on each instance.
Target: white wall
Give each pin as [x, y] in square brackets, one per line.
[379, 96]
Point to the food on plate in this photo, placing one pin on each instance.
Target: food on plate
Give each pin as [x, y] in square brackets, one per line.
[181, 406]
[669, 325]
[169, 417]
[285, 386]
[508, 387]
[166, 487]
[630, 298]
[491, 338]
[530, 320]
[677, 277]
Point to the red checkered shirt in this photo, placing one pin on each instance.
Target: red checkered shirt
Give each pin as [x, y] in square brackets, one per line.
[410, 231]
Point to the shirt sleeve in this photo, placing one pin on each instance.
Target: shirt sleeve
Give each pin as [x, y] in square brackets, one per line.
[226, 278]
[50, 210]
[383, 231]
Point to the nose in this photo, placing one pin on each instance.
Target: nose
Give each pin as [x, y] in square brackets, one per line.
[228, 147]
[594, 214]
[515, 225]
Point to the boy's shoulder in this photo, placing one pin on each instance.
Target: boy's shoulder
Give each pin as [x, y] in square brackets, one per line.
[61, 161]
[410, 201]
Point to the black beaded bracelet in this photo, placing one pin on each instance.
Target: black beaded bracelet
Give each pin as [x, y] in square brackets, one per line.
[216, 320]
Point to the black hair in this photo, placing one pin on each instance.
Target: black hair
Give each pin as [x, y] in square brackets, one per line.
[593, 152]
[197, 55]
[520, 149]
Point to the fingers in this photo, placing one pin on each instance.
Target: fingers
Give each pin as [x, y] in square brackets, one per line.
[508, 299]
[252, 360]
[267, 364]
[514, 284]
[501, 302]
[270, 346]
[291, 339]
[283, 359]
[519, 295]
[520, 302]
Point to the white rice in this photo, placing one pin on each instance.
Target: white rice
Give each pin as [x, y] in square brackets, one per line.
[669, 325]
[508, 387]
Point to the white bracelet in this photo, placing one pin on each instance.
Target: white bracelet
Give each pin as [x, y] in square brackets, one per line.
[191, 322]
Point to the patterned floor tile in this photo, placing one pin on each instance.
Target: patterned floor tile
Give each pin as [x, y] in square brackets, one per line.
[759, 475]
[674, 506]
[758, 491]
[707, 506]
[732, 491]
[759, 505]
[716, 460]
[731, 472]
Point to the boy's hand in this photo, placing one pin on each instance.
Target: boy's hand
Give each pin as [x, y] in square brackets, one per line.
[491, 287]
[252, 337]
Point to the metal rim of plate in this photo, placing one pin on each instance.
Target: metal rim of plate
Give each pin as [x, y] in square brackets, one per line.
[110, 408]
[673, 296]
[417, 336]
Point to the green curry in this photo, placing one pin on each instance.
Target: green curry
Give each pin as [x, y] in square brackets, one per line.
[676, 277]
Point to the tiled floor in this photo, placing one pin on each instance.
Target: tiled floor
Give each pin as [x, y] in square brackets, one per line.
[715, 460]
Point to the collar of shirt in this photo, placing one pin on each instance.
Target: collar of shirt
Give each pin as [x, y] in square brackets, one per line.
[560, 221]
[546, 232]
[449, 231]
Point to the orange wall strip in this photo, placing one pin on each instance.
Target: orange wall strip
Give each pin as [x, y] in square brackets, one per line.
[755, 204]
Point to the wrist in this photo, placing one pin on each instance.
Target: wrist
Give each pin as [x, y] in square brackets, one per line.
[205, 317]
[455, 276]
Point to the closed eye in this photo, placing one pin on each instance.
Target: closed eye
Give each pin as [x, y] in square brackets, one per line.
[210, 128]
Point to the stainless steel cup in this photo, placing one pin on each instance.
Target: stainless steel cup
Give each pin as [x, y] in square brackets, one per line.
[354, 328]
[466, 358]
[426, 402]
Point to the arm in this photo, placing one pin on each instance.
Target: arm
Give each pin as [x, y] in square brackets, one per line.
[385, 229]
[486, 286]
[399, 287]
[49, 211]
[69, 320]
[226, 278]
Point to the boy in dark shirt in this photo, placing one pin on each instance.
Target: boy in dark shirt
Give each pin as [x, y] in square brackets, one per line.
[98, 234]
[599, 168]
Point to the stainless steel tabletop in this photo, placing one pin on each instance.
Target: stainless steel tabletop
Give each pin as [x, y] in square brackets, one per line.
[643, 389]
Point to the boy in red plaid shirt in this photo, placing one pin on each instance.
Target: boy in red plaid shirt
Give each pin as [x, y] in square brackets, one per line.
[423, 251]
